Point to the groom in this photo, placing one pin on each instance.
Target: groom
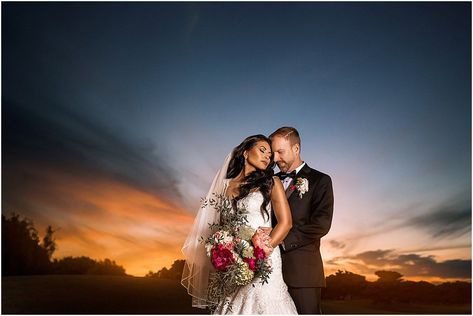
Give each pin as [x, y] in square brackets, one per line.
[310, 196]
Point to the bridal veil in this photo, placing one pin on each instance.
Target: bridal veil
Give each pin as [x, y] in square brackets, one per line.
[197, 267]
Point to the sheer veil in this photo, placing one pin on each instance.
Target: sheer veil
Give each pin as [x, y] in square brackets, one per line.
[197, 267]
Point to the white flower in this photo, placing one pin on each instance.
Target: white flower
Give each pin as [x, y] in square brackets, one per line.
[227, 238]
[208, 248]
[302, 185]
[248, 252]
[244, 244]
[246, 232]
[237, 258]
[244, 274]
[222, 236]
[217, 236]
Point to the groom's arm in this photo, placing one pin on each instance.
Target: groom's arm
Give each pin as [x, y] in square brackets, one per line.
[320, 219]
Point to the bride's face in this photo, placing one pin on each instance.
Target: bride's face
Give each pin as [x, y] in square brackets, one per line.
[259, 156]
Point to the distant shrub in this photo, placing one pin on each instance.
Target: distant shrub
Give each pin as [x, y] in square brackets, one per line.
[390, 288]
[175, 272]
[24, 254]
[86, 265]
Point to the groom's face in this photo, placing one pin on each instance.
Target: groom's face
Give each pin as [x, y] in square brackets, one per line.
[284, 153]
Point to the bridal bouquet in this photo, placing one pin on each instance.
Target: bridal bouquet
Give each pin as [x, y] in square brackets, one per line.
[238, 252]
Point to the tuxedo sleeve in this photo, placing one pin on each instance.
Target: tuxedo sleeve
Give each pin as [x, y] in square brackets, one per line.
[320, 219]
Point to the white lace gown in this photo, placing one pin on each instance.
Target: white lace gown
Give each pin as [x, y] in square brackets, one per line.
[257, 298]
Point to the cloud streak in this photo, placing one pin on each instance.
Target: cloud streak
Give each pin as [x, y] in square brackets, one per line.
[110, 196]
[410, 265]
[104, 218]
[444, 221]
[47, 134]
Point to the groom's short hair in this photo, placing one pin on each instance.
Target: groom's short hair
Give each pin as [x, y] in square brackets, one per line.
[289, 133]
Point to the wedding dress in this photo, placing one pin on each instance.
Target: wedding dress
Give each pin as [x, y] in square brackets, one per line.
[256, 298]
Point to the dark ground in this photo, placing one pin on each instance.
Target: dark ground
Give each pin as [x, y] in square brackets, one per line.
[87, 294]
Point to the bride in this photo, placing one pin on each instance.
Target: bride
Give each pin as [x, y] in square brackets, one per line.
[247, 178]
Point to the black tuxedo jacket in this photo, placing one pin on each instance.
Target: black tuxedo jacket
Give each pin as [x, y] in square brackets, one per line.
[311, 219]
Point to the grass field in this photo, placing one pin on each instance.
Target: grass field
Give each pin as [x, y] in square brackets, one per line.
[77, 294]
[84, 294]
[367, 307]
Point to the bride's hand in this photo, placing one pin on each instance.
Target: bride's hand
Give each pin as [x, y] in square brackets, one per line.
[269, 248]
[266, 230]
[262, 240]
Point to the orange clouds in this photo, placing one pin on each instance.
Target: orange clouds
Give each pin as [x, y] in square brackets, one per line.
[412, 266]
[102, 218]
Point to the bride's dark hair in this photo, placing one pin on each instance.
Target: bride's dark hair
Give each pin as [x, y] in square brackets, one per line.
[261, 180]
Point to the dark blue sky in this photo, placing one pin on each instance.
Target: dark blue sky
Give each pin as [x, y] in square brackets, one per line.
[153, 95]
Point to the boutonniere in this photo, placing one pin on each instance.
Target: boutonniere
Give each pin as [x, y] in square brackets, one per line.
[302, 185]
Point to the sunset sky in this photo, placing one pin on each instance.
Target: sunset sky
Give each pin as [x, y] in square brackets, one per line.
[116, 116]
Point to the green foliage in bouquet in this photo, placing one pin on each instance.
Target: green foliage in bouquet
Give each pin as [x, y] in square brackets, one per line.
[232, 252]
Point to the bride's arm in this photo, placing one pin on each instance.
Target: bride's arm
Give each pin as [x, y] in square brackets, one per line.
[282, 211]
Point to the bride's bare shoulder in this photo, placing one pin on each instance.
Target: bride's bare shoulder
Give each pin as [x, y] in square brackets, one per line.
[277, 184]
[277, 180]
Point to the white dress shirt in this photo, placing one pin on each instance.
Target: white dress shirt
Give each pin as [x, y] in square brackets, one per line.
[288, 180]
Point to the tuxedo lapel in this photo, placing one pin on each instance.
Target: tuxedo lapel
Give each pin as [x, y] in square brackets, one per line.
[288, 190]
[303, 173]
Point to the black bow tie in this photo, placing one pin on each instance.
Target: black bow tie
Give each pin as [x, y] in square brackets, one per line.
[284, 175]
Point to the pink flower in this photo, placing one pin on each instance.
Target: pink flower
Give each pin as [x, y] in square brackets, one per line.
[230, 245]
[251, 263]
[259, 253]
[221, 257]
[262, 240]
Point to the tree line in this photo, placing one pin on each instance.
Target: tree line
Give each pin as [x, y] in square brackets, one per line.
[25, 253]
[175, 272]
[388, 289]
[391, 288]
